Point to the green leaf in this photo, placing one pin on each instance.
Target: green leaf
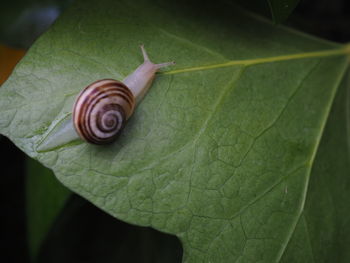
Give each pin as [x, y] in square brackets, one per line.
[220, 151]
[281, 9]
[322, 231]
[45, 200]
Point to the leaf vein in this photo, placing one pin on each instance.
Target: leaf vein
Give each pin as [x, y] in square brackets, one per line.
[249, 62]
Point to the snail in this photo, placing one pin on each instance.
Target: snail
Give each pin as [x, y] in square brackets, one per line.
[102, 108]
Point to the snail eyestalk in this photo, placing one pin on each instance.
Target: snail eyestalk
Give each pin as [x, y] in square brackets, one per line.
[160, 65]
[141, 79]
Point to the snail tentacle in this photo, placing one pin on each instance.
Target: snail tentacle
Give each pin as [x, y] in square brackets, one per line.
[141, 79]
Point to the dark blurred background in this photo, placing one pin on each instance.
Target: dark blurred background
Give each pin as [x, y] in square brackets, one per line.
[82, 232]
[323, 18]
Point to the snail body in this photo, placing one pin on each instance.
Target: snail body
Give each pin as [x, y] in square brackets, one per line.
[103, 107]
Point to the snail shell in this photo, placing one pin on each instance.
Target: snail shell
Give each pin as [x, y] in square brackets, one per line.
[101, 110]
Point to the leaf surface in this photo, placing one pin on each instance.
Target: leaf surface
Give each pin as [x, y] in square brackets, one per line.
[322, 231]
[219, 152]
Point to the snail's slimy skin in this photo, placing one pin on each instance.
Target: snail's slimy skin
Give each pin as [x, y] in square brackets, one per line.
[58, 135]
[103, 106]
[141, 79]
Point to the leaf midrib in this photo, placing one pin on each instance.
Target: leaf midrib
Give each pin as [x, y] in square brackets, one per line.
[343, 51]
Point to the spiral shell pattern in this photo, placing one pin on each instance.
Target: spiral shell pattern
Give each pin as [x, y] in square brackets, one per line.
[101, 110]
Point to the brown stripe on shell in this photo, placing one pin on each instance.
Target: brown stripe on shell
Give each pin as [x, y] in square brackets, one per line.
[108, 108]
[87, 114]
